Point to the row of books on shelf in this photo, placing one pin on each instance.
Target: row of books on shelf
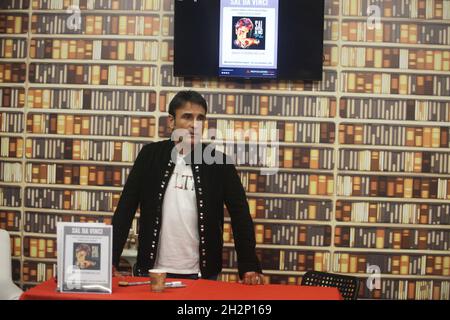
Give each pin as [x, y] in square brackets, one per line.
[267, 155]
[76, 174]
[10, 220]
[42, 248]
[14, 72]
[391, 212]
[395, 83]
[12, 97]
[233, 130]
[287, 183]
[297, 210]
[73, 124]
[420, 9]
[98, 4]
[38, 271]
[120, 75]
[409, 289]
[15, 4]
[260, 208]
[394, 135]
[233, 104]
[40, 222]
[79, 200]
[13, 48]
[328, 83]
[262, 104]
[11, 122]
[285, 260]
[238, 104]
[87, 49]
[390, 186]
[351, 237]
[16, 245]
[330, 55]
[323, 184]
[396, 264]
[305, 158]
[145, 75]
[414, 33]
[394, 161]
[11, 147]
[285, 234]
[134, 75]
[13, 23]
[288, 157]
[390, 238]
[45, 223]
[70, 149]
[289, 209]
[10, 172]
[81, 149]
[286, 131]
[10, 196]
[410, 58]
[90, 99]
[242, 153]
[283, 183]
[394, 109]
[100, 24]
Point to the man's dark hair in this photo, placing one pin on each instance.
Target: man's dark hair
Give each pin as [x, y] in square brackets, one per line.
[182, 97]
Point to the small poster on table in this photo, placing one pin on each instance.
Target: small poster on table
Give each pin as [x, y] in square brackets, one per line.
[84, 257]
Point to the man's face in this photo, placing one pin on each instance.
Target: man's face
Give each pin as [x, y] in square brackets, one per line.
[191, 118]
[81, 255]
[241, 32]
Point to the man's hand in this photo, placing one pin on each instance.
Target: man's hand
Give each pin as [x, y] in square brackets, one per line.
[253, 278]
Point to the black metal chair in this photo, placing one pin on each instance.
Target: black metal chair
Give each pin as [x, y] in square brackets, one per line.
[348, 286]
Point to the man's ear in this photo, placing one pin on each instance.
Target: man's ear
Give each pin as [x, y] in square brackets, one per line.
[171, 122]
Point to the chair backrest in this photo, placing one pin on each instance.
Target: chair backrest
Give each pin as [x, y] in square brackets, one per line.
[8, 289]
[348, 286]
[5, 256]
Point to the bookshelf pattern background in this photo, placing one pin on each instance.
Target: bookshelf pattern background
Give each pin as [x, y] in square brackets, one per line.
[364, 159]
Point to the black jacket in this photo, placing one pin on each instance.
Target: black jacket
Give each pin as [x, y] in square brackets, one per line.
[215, 185]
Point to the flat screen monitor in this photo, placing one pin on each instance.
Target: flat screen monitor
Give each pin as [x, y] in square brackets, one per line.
[250, 39]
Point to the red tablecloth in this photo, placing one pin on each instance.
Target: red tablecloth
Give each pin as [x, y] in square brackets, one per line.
[194, 290]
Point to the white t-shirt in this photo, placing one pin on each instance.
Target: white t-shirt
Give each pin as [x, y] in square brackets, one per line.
[178, 248]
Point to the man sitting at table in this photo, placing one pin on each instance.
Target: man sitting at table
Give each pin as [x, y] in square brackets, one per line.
[182, 203]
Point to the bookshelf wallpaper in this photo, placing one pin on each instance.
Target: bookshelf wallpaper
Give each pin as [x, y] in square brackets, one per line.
[364, 175]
